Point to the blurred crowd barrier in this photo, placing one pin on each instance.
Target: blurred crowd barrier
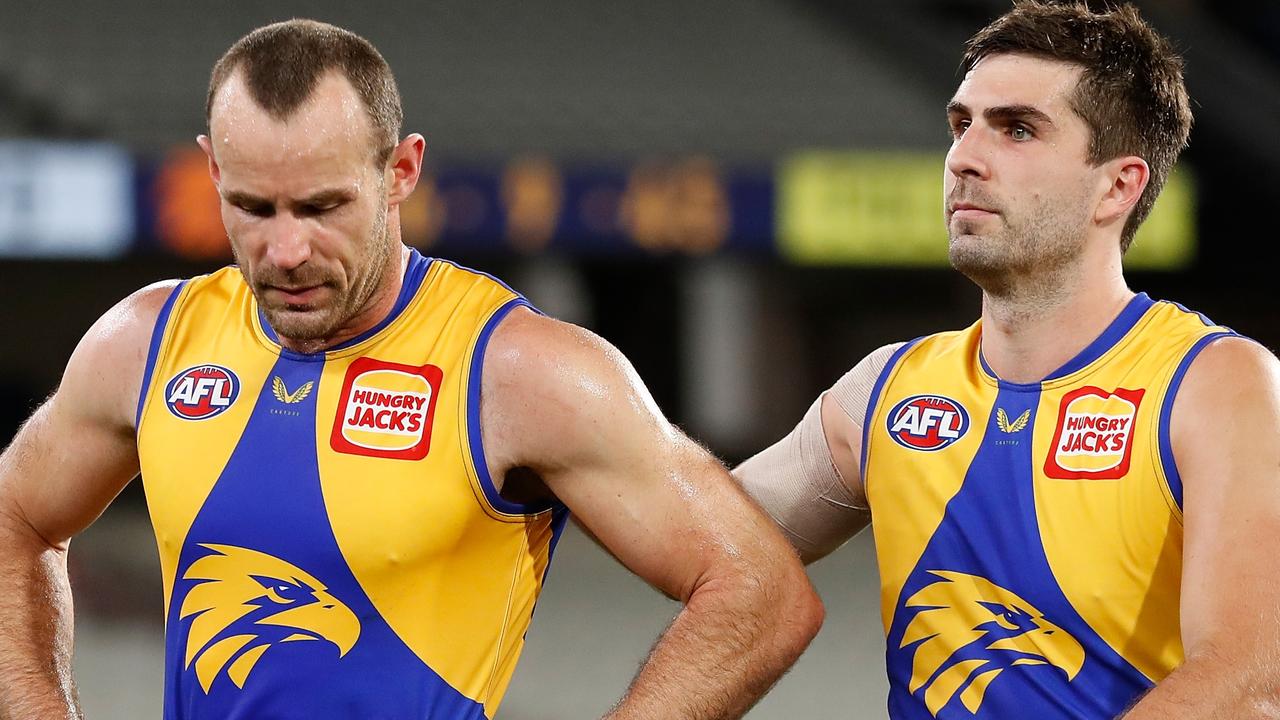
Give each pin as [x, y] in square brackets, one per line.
[871, 208]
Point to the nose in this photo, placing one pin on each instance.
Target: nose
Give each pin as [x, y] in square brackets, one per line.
[970, 153]
[288, 243]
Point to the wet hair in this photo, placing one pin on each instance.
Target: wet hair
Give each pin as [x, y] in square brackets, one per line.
[1131, 93]
[283, 63]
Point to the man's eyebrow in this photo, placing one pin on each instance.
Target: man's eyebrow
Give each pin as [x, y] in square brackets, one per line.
[1017, 112]
[322, 198]
[331, 196]
[244, 199]
[1004, 112]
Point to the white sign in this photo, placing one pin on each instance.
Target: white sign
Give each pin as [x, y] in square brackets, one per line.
[69, 199]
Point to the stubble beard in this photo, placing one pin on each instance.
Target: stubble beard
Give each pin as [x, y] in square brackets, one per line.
[1023, 260]
[304, 325]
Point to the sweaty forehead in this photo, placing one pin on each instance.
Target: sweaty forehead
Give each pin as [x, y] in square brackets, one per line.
[1008, 80]
[330, 125]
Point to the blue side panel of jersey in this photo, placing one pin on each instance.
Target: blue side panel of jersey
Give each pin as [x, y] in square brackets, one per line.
[1167, 460]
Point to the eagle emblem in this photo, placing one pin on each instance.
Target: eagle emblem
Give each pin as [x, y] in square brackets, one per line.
[1002, 421]
[289, 398]
[970, 630]
[246, 602]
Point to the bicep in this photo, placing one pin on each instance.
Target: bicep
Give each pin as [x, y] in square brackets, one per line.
[1226, 435]
[666, 513]
[843, 436]
[656, 500]
[62, 470]
[810, 482]
[568, 406]
[799, 481]
[844, 411]
[78, 450]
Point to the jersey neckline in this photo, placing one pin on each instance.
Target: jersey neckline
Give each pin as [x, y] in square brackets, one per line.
[1129, 317]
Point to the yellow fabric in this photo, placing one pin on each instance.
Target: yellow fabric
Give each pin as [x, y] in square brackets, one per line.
[453, 576]
[950, 514]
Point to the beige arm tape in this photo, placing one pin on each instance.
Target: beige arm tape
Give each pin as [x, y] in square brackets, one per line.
[796, 480]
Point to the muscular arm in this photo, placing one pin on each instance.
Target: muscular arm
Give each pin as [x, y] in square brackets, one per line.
[810, 481]
[560, 402]
[1226, 442]
[69, 460]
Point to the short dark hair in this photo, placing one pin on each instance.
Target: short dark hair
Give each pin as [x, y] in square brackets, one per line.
[283, 63]
[1131, 94]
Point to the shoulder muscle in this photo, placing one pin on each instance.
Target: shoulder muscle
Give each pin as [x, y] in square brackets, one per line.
[78, 450]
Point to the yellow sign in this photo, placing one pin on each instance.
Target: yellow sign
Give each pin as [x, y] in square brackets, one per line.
[885, 208]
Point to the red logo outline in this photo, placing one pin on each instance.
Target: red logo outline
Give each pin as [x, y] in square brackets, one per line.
[937, 437]
[433, 376]
[206, 407]
[1055, 471]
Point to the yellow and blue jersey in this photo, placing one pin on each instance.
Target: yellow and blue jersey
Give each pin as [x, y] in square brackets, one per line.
[331, 541]
[1029, 536]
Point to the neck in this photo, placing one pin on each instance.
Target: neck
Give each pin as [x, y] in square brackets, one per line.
[1033, 329]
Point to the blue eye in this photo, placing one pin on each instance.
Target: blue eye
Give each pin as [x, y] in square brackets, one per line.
[1019, 132]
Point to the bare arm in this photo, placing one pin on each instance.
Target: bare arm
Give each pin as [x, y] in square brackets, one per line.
[1226, 441]
[563, 403]
[70, 459]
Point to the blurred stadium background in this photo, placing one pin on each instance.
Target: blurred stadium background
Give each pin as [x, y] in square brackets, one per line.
[743, 195]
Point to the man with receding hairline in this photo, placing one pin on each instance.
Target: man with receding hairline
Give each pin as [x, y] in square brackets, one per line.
[1075, 499]
[358, 460]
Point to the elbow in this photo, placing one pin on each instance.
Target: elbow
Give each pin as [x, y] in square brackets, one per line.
[19, 536]
[798, 611]
[808, 610]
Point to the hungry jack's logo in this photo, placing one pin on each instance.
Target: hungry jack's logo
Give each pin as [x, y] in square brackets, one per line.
[385, 410]
[1094, 436]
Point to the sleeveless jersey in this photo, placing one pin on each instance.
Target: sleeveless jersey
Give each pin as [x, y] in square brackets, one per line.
[331, 542]
[1029, 536]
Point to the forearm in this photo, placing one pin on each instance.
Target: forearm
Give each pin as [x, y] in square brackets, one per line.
[727, 647]
[35, 630]
[1215, 687]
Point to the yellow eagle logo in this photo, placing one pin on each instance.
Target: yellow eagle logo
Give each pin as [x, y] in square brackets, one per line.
[969, 631]
[289, 398]
[1002, 421]
[246, 602]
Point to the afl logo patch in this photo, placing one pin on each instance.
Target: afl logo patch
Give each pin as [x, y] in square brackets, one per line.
[927, 422]
[200, 392]
[386, 410]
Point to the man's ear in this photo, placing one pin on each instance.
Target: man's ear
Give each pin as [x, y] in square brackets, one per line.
[207, 146]
[1129, 176]
[404, 168]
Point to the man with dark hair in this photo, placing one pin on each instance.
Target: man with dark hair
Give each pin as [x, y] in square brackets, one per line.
[358, 460]
[1074, 499]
